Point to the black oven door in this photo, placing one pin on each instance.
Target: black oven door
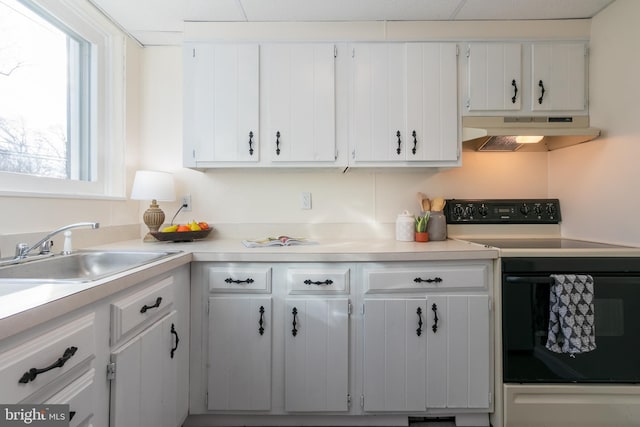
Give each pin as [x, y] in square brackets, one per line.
[525, 321]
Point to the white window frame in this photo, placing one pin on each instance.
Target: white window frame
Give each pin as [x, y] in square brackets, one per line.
[107, 109]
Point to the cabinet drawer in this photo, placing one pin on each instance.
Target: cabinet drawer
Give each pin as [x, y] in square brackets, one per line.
[318, 280]
[240, 279]
[79, 395]
[136, 311]
[425, 277]
[52, 359]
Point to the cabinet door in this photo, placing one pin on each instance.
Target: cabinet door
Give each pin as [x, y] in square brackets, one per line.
[394, 354]
[432, 102]
[299, 105]
[494, 77]
[558, 76]
[458, 365]
[378, 116]
[316, 355]
[239, 353]
[221, 103]
[143, 392]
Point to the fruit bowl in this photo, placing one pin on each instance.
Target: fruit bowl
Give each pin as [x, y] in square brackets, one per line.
[180, 236]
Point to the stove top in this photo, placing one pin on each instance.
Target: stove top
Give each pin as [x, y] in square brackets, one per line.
[543, 243]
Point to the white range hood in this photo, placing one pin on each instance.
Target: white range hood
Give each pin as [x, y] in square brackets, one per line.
[497, 133]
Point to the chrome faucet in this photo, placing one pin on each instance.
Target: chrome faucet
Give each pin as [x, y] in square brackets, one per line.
[23, 249]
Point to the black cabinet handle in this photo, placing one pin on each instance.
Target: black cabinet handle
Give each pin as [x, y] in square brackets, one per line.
[173, 332]
[434, 328]
[419, 313]
[147, 307]
[434, 280]
[399, 143]
[515, 91]
[238, 282]
[541, 86]
[278, 143]
[325, 283]
[294, 331]
[32, 373]
[415, 142]
[251, 143]
[261, 321]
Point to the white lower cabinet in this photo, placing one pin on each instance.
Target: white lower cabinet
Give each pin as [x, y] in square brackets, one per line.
[394, 355]
[316, 355]
[148, 369]
[274, 340]
[239, 354]
[143, 392]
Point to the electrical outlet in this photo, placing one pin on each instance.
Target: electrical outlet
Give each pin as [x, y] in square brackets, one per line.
[186, 200]
[305, 200]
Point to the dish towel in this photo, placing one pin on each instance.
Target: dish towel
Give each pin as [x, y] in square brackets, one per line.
[571, 316]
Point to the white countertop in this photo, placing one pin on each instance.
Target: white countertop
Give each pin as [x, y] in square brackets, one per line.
[34, 305]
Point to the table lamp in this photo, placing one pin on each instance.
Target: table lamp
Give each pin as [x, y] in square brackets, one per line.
[154, 186]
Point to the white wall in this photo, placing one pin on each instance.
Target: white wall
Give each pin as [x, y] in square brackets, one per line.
[597, 182]
[272, 196]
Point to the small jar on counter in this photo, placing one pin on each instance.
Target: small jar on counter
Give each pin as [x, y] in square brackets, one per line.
[405, 227]
[437, 226]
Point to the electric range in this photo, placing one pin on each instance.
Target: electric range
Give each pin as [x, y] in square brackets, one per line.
[520, 226]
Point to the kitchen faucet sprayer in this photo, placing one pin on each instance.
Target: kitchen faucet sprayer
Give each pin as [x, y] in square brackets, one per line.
[23, 249]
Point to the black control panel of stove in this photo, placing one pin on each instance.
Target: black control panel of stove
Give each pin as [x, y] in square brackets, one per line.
[503, 211]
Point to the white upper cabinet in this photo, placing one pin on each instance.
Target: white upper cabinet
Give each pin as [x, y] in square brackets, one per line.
[525, 78]
[404, 104]
[299, 110]
[378, 119]
[494, 76]
[432, 102]
[221, 103]
[559, 79]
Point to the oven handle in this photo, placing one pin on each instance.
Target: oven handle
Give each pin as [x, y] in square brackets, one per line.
[529, 279]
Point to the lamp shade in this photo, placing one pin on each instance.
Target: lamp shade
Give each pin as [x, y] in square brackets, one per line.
[153, 185]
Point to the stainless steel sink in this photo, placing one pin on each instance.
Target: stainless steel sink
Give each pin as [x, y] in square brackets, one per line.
[82, 266]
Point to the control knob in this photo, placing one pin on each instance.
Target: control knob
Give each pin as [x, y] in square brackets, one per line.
[483, 210]
[525, 209]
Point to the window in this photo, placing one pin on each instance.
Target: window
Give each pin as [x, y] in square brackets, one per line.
[61, 100]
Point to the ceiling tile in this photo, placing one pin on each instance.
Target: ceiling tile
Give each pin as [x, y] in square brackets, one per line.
[154, 15]
[214, 10]
[348, 10]
[530, 9]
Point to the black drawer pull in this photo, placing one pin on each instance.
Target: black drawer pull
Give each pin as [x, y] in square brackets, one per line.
[324, 283]
[415, 142]
[294, 331]
[32, 373]
[147, 307]
[173, 332]
[278, 143]
[261, 321]
[419, 313]
[515, 91]
[230, 280]
[398, 150]
[420, 280]
[434, 328]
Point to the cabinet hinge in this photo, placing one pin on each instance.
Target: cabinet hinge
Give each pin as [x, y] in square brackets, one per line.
[111, 371]
[362, 309]
[468, 103]
[349, 309]
[468, 51]
[193, 52]
[362, 400]
[193, 153]
[348, 400]
[335, 51]
[353, 52]
[208, 307]
[206, 399]
[457, 50]
[490, 398]
[490, 304]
